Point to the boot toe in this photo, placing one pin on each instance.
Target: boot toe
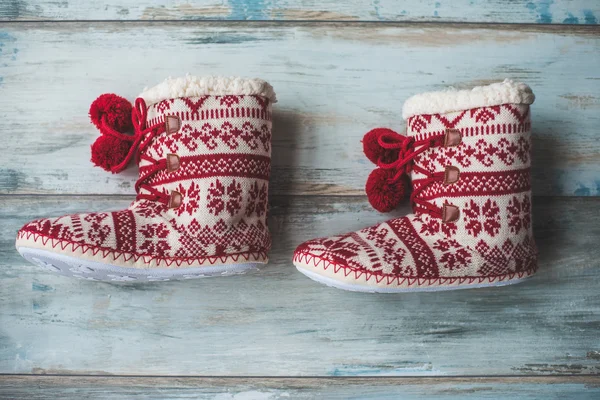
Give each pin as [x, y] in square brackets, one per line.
[349, 262]
[44, 233]
[57, 243]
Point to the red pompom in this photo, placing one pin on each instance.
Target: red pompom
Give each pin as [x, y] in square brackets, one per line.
[108, 151]
[114, 109]
[373, 150]
[384, 195]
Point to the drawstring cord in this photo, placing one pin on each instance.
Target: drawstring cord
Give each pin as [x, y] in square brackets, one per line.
[409, 149]
[140, 139]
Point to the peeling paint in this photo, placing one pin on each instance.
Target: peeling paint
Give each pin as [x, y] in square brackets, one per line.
[243, 10]
[480, 11]
[59, 371]
[544, 16]
[376, 4]
[399, 369]
[39, 287]
[583, 101]
[185, 12]
[582, 191]
[426, 37]
[589, 17]
[571, 20]
[558, 369]
[226, 38]
[594, 355]
[13, 10]
[6, 53]
[10, 180]
[122, 11]
[309, 15]
[6, 37]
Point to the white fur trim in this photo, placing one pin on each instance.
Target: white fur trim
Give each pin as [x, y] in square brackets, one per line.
[445, 101]
[194, 86]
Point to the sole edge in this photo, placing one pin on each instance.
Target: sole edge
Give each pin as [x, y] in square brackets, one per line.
[96, 271]
[331, 282]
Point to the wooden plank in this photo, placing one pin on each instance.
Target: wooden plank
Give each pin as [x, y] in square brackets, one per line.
[161, 388]
[505, 11]
[335, 82]
[278, 323]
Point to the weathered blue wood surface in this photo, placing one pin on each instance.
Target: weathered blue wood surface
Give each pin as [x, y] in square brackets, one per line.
[505, 11]
[277, 322]
[164, 388]
[334, 83]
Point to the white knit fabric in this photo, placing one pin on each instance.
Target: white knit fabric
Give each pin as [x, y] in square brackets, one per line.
[223, 146]
[488, 240]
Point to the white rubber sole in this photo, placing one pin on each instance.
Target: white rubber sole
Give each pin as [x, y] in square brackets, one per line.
[374, 289]
[95, 271]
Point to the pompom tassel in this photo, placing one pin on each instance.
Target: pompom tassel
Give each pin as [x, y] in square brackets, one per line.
[383, 194]
[112, 110]
[373, 149]
[109, 151]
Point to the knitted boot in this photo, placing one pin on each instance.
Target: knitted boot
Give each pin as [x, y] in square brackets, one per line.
[468, 155]
[203, 146]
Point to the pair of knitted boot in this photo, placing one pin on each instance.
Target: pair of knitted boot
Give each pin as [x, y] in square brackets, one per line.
[203, 146]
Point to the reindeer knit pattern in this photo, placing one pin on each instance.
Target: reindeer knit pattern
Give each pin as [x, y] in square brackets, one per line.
[214, 161]
[485, 179]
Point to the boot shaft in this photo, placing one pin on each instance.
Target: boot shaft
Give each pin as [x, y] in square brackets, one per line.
[217, 150]
[484, 159]
[220, 140]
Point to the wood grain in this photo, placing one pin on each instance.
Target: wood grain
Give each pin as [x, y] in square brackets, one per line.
[334, 82]
[505, 11]
[276, 322]
[290, 337]
[162, 388]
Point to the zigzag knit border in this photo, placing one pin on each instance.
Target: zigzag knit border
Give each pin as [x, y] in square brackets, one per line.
[316, 261]
[111, 255]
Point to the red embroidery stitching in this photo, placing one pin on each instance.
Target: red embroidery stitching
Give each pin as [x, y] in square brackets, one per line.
[519, 214]
[485, 114]
[480, 184]
[191, 197]
[454, 255]
[155, 239]
[485, 218]
[224, 198]
[229, 100]
[204, 166]
[257, 200]
[124, 222]
[113, 255]
[421, 253]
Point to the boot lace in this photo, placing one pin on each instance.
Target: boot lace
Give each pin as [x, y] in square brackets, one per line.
[409, 149]
[142, 137]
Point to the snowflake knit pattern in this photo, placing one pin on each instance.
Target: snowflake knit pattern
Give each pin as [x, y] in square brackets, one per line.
[211, 161]
[472, 224]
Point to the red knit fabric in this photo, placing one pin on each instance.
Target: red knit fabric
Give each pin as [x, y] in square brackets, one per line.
[384, 193]
[112, 110]
[471, 197]
[202, 194]
[374, 151]
[109, 151]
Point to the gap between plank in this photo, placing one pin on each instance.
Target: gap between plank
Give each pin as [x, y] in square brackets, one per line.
[555, 377]
[524, 27]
